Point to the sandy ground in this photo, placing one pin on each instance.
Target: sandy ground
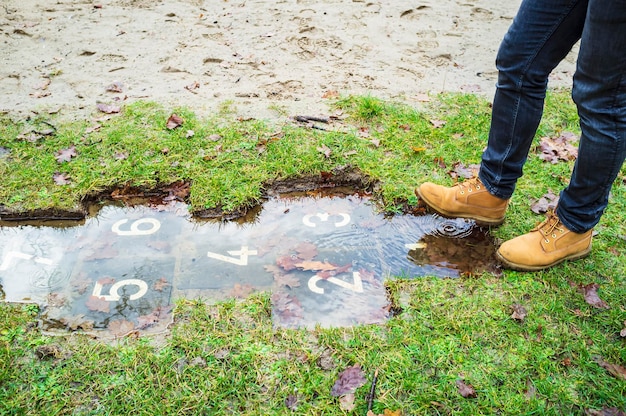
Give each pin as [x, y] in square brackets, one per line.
[66, 56]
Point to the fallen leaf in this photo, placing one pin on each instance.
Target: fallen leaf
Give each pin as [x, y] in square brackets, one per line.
[174, 121]
[386, 412]
[108, 108]
[120, 155]
[471, 88]
[146, 321]
[315, 265]
[288, 280]
[609, 411]
[241, 291]
[554, 149]
[326, 361]
[56, 300]
[61, 178]
[418, 149]
[622, 333]
[77, 322]
[325, 150]
[121, 327]
[346, 402]
[460, 171]
[192, 87]
[546, 203]
[286, 308]
[161, 284]
[292, 402]
[348, 381]
[465, 390]
[115, 87]
[375, 142]
[65, 155]
[287, 262]
[306, 251]
[330, 94]
[519, 312]
[437, 123]
[590, 292]
[615, 369]
[98, 304]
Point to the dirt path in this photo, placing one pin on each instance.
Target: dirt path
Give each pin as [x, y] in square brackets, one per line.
[61, 56]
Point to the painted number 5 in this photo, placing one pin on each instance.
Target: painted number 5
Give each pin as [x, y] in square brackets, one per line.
[135, 227]
[114, 294]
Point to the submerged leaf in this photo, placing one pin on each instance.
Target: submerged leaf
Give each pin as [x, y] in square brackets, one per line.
[121, 327]
[98, 304]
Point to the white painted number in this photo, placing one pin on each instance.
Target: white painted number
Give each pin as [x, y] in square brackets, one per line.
[323, 216]
[134, 227]
[241, 261]
[114, 294]
[11, 255]
[357, 286]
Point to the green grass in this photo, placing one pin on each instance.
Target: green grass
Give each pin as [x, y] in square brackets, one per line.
[228, 358]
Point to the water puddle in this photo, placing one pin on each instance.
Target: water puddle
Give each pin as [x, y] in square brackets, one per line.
[324, 258]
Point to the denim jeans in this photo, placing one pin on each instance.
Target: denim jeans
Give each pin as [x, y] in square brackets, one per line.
[541, 35]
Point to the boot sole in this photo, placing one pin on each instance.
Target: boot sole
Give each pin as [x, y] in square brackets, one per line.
[480, 220]
[526, 268]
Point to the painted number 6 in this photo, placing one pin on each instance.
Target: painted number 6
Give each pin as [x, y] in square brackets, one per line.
[114, 291]
[134, 227]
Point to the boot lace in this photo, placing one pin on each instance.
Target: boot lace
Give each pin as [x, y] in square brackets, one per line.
[551, 226]
[469, 185]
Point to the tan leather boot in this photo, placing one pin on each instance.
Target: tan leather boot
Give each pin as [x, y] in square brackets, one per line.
[469, 199]
[546, 245]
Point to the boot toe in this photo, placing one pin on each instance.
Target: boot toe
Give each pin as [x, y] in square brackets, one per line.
[430, 192]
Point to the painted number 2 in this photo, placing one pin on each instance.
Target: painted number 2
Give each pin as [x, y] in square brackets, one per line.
[135, 227]
[357, 286]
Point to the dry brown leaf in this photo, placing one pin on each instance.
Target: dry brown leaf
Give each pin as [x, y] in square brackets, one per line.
[519, 312]
[315, 265]
[174, 121]
[590, 292]
[348, 381]
[465, 390]
[615, 369]
[60, 178]
[108, 108]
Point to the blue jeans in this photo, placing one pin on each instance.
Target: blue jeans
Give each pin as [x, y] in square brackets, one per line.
[541, 35]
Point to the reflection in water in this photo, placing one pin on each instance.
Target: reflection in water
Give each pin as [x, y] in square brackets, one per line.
[323, 258]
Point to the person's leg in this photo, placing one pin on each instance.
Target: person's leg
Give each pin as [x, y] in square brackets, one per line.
[600, 95]
[540, 37]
